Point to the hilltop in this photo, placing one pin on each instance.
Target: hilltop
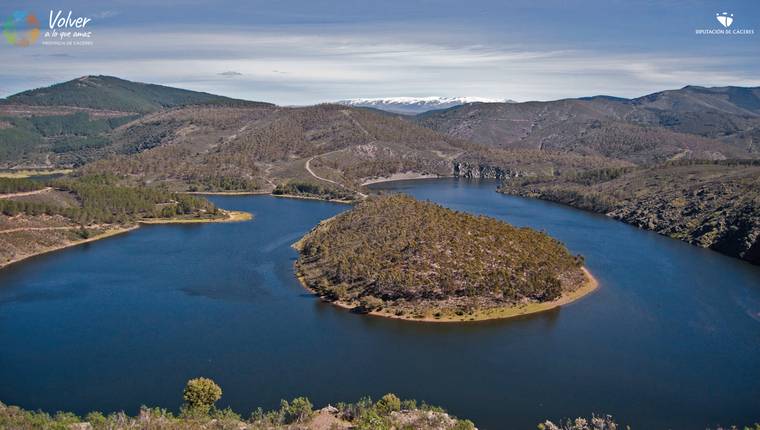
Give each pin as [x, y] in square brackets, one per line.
[395, 256]
[111, 93]
[71, 123]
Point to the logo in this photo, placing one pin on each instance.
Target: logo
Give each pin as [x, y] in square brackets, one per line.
[67, 30]
[725, 19]
[21, 29]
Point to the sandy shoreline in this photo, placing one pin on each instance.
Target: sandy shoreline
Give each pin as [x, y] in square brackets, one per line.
[233, 216]
[227, 193]
[294, 196]
[406, 176]
[489, 314]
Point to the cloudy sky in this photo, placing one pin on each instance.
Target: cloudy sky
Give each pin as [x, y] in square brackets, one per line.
[309, 51]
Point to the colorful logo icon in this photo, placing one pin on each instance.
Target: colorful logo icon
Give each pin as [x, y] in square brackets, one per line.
[21, 29]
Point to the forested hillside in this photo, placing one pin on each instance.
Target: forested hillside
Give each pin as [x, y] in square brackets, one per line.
[102, 201]
[416, 259]
[202, 147]
[68, 139]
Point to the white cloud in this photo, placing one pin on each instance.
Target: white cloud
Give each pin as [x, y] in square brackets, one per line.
[300, 66]
[105, 14]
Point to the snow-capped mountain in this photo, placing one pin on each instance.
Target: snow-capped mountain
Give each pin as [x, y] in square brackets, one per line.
[415, 105]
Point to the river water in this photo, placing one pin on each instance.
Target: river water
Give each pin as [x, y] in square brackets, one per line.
[671, 339]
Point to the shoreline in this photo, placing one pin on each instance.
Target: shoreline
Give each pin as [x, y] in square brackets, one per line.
[227, 193]
[294, 196]
[591, 285]
[28, 173]
[407, 176]
[106, 234]
[233, 216]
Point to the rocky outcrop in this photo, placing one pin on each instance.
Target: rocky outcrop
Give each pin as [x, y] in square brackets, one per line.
[731, 230]
[468, 170]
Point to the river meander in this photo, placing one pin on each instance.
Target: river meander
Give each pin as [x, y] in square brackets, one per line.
[671, 339]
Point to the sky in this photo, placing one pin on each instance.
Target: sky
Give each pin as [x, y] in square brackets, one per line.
[296, 52]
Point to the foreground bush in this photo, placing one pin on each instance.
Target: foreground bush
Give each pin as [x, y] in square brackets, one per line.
[199, 412]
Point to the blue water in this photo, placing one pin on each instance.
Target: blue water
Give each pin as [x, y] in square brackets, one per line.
[670, 340]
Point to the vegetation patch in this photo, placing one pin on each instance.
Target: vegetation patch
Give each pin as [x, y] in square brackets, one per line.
[199, 411]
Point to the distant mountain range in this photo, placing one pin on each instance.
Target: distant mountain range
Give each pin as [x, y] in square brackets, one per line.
[692, 122]
[416, 105]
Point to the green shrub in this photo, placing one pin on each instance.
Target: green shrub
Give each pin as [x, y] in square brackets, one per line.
[388, 403]
[297, 411]
[200, 395]
[371, 420]
[464, 425]
[409, 405]
[97, 419]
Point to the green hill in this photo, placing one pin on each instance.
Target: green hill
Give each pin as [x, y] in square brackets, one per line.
[110, 93]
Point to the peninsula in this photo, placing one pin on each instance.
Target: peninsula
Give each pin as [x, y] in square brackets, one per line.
[37, 217]
[398, 257]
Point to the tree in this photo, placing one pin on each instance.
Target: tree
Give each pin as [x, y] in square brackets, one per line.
[200, 395]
